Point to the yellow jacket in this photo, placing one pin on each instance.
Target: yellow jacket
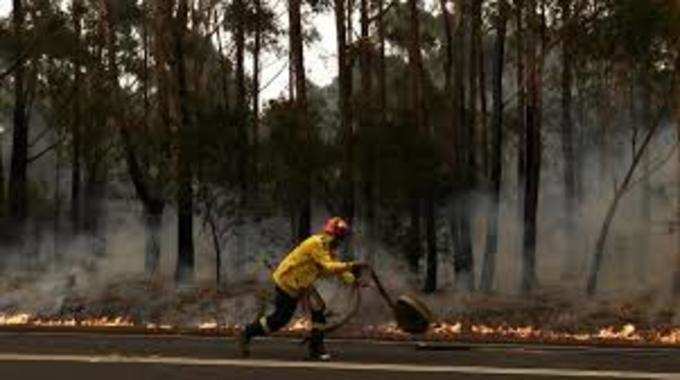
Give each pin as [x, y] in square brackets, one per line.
[312, 259]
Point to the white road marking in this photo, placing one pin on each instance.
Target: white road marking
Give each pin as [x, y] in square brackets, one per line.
[375, 367]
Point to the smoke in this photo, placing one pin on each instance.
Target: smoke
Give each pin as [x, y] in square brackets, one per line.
[52, 271]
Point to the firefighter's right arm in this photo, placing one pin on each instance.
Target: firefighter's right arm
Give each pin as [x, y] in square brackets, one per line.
[323, 257]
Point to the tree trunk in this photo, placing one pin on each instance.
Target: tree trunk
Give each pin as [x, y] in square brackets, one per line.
[489, 266]
[224, 69]
[521, 97]
[297, 48]
[567, 132]
[368, 124]
[344, 105]
[185, 261]
[676, 109]
[448, 47]
[533, 155]
[19, 162]
[95, 186]
[417, 122]
[483, 111]
[94, 212]
[256, 86]
[3, 195]
[460, 218]
[153, 206]
[241, 107]
[382, 69]
[76, 127]
[475, 129]
[431, 232]
[152, 244]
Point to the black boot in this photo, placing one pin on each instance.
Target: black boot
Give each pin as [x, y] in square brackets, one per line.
[317, 349]
[252, 330]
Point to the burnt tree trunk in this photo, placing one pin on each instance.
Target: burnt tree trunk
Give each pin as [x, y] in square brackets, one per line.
[676, 109]
[224, 69]
[416, 108]
[76, 149]
[256, 87]
[448, 47]
[19, 160]
[567, 134]
[242, 122]
[153, 205]
[533, 154]
[496, 159]
[483, 110]
[521, 99]
[241, 107]
[368, 124]
[303, 217]
[184, 271]
[345, 89]
[382, 69]
[460, 223]
[474, 149]
[3, 195]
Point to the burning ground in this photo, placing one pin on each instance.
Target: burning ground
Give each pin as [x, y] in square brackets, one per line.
[135, 305]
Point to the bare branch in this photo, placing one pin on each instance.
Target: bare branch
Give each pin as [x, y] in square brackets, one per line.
[43, 152]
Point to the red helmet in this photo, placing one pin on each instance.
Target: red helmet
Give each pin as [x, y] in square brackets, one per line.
[336, 227]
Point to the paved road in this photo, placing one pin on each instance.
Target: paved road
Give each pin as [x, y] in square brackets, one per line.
[86, 356]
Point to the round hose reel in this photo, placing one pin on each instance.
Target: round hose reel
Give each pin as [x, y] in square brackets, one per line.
[412, 315]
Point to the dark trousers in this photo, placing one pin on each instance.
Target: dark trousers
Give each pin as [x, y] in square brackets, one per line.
[284, 309]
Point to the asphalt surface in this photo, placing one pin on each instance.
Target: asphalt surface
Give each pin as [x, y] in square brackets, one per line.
[104, 357]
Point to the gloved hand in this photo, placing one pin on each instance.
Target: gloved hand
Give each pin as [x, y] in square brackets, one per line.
[359, 270]
[348, 278]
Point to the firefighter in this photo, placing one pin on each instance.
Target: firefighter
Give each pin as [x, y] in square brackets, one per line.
[293, 279]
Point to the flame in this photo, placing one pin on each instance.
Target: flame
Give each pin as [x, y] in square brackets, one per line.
[17, 319]
[439, 332]
[208, 326]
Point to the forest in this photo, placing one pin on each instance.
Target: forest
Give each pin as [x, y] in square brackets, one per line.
[484, 147]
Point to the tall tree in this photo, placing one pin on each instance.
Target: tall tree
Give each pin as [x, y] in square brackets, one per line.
[77, 11]
[489, 266]
[567, 131]
[225, 67]
[137, 164]
[239, 36]
[303, 204]
[19, 163]
[676, 110]
[344, 105]
[185, 230]
[532, 148]
[475, 128]
[382, 68]
[368, 124]
[521, 95]
[417, 123]
[257, 48]
[463, 262]
[448, 46]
